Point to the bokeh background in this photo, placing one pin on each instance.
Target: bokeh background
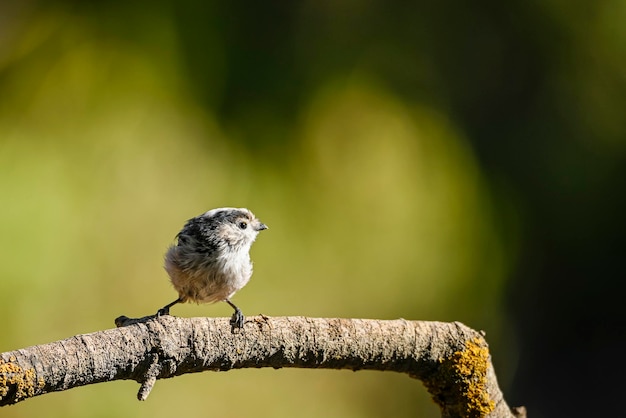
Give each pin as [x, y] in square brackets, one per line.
[437, 161]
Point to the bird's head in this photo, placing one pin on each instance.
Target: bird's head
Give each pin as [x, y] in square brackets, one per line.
[237, 227]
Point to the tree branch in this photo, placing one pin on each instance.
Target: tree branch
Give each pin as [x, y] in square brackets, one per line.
[451, 359]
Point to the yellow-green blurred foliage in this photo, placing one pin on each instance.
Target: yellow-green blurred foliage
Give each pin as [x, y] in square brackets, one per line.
[376, 209]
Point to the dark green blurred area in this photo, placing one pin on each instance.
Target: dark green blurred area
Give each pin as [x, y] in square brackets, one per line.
[445, 161]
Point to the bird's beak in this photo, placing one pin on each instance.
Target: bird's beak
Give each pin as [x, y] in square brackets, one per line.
[261, 226]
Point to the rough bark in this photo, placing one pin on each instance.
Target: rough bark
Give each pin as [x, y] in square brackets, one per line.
[451, 359]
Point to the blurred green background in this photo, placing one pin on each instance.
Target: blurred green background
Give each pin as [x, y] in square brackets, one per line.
[445, 161]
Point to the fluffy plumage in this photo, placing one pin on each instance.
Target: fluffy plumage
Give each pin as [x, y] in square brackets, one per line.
[211, 260]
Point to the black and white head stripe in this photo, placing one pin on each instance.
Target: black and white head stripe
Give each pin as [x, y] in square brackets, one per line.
[228, 215]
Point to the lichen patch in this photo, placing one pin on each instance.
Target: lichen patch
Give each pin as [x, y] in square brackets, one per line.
[17, 382]
[460, 381]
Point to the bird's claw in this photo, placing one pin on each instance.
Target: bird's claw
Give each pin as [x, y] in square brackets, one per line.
[236, 321]
[163, 312]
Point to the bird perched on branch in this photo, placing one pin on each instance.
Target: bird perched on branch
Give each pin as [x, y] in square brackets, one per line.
[211, 260]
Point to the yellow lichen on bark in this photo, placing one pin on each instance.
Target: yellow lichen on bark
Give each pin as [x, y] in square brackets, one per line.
[468, 370]
[472, 364]
[23, 382]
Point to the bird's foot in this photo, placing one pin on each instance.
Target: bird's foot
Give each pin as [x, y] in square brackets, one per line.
[166, 309]
[236, 321]
[163, 311]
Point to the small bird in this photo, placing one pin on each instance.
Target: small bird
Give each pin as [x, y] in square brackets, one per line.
[211, 260]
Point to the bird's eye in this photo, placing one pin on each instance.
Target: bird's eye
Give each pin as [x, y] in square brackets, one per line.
[243, 225]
